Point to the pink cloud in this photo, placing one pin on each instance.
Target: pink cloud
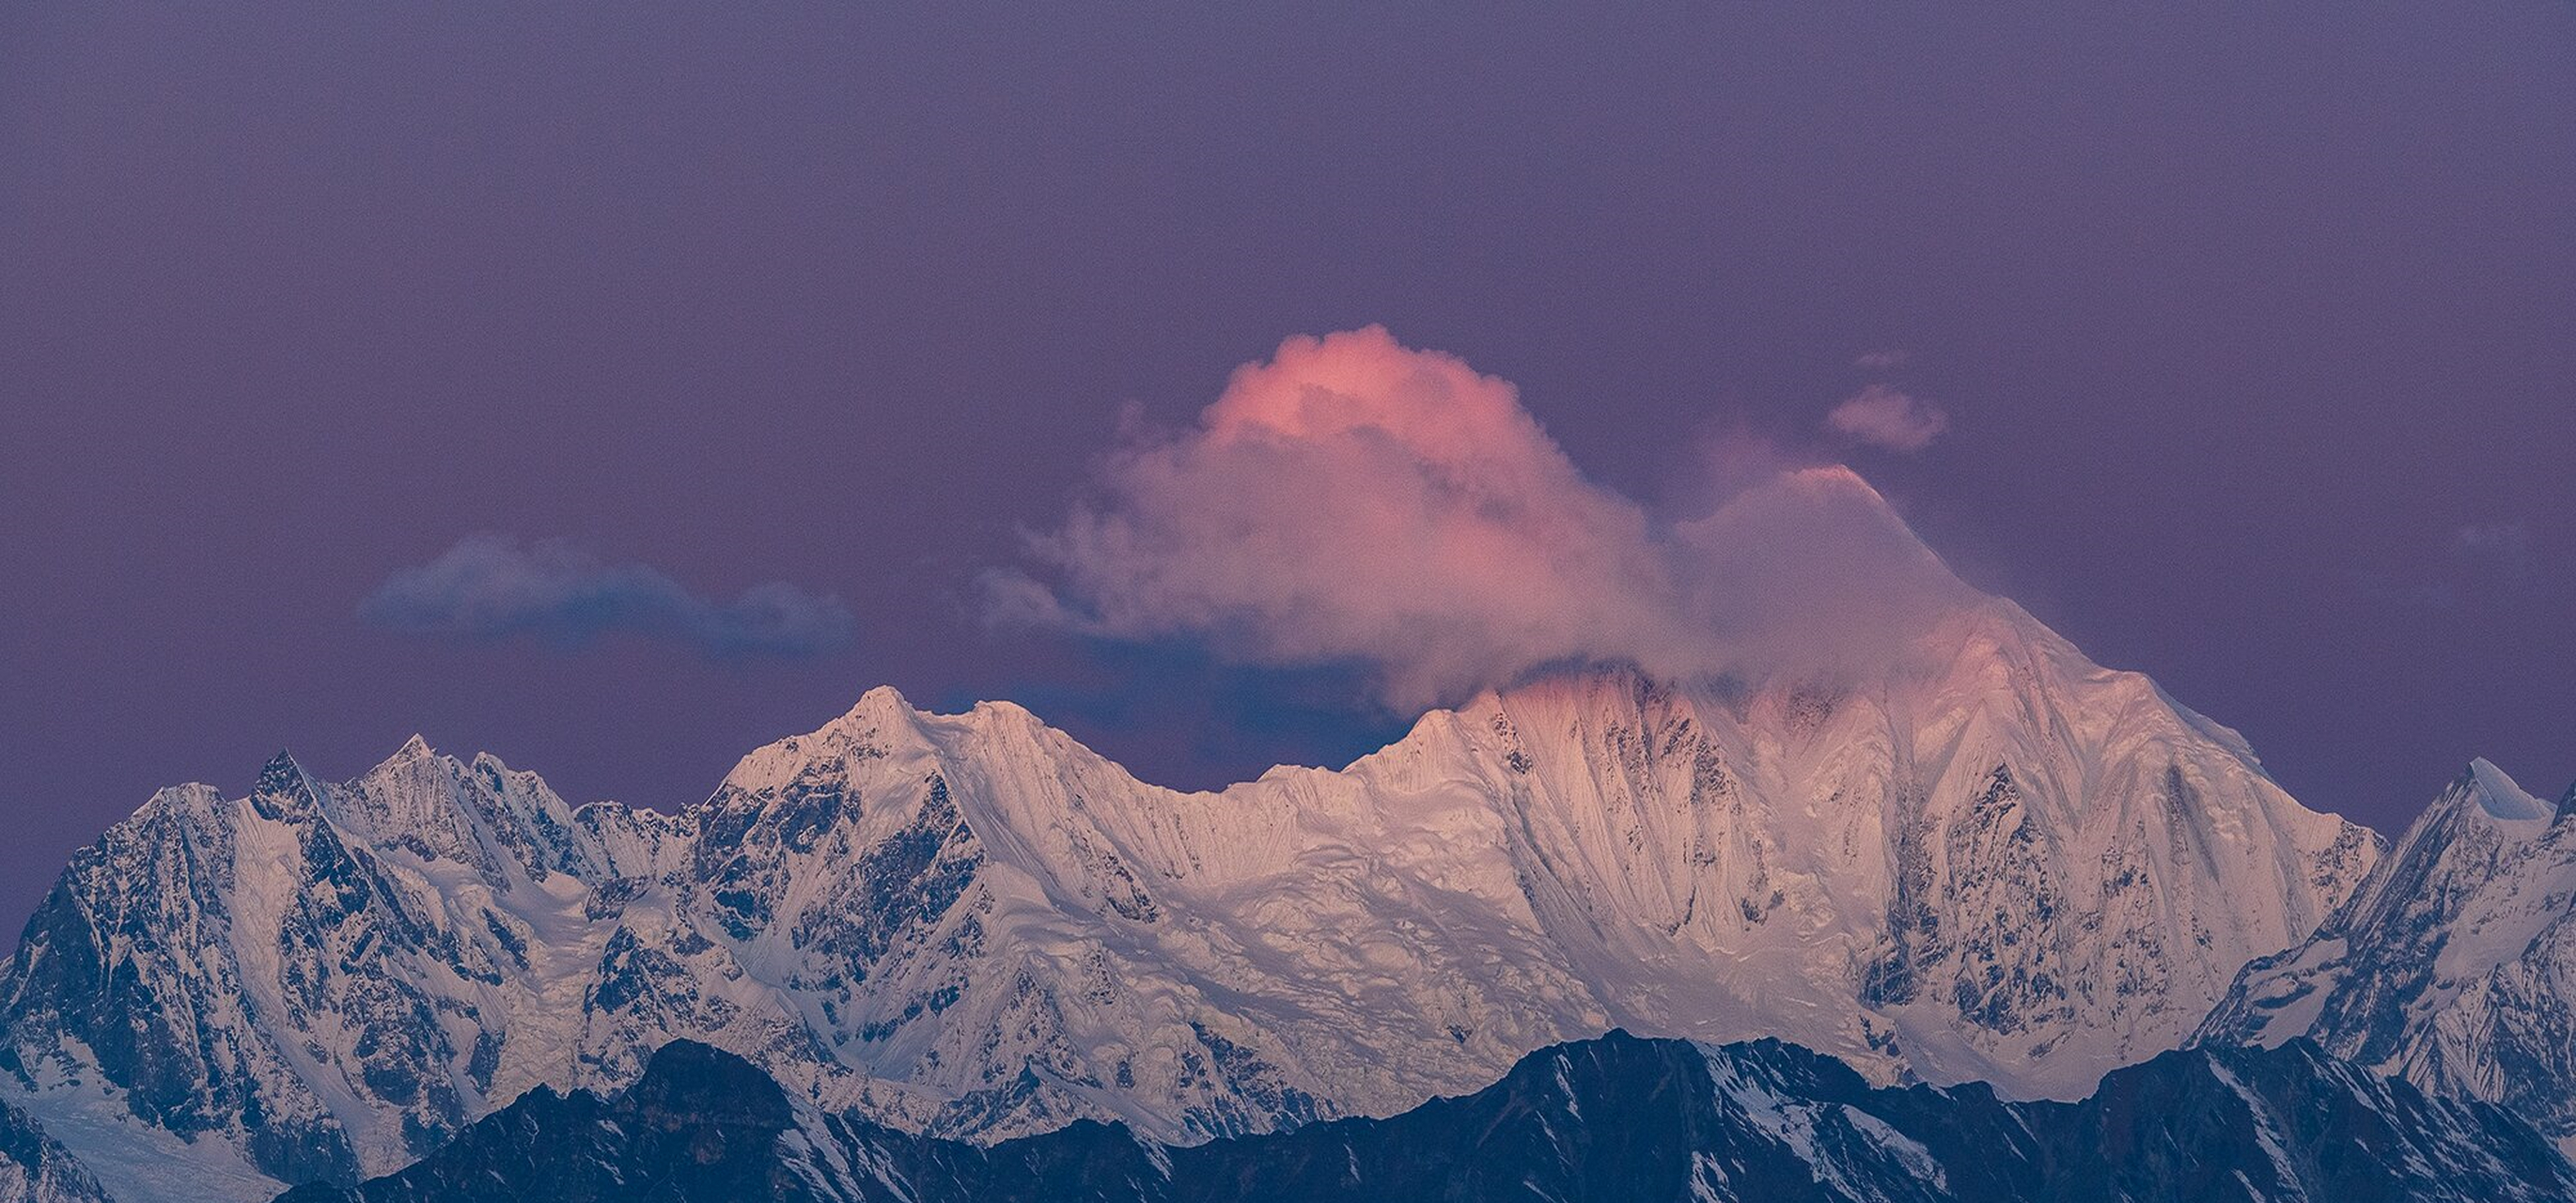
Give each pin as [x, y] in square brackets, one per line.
[1353, 499]
[1883, 417]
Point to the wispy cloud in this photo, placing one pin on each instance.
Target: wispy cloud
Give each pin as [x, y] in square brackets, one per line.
[1884, 417]
[2485, 563]
[1353, 500]
[1880, 361]
[492, 587]
[2499, 550]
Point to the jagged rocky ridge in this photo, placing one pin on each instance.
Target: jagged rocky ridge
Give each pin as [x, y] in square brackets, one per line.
[2455, 963]
[1986, 859]
[1615, 1118]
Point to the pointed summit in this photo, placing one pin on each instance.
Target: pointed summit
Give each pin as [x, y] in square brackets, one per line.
[2498, 796]
[2449, 967]
[881, 715]
[280, 771]
[284, 788]
[880, 701]
[879, 709]
[1830, 501]
[284, 776]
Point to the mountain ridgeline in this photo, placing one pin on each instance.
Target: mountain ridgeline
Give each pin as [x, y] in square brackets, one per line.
[2012, 867]
[1985, 860]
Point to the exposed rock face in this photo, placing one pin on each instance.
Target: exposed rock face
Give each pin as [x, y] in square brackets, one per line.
[2455, 963]
[35, 1169]
[1616, 1118]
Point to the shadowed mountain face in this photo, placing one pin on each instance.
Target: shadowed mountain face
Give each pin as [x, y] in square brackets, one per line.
[1617, 1118]
[700, 1125]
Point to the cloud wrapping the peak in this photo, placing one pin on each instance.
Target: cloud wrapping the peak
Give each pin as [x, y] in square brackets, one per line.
[493, 587]
[1884, 417]
[1353, 500]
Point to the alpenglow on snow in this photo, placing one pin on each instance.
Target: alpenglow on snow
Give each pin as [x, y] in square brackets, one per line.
[1994, 860]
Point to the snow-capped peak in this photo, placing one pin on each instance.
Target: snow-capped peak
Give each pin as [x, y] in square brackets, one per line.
[2499, 796]
[880, 718]
[2453, 964]
[880, 701]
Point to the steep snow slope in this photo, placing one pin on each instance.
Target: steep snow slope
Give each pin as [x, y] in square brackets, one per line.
[36, 1169]
[2455, 963]
[1982, 857]
[319, 978]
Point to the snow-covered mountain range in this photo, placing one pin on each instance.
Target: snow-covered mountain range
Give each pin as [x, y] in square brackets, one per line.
[1988, 859]
[2455, 963]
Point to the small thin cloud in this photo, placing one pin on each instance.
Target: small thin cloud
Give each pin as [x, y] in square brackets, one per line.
[2496, 560]
[1884, 417]
[2500, 547]
[2484, 563]
[1880, 361]
[494, 587]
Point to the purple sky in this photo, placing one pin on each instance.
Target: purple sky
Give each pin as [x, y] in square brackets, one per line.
[2255, 331]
